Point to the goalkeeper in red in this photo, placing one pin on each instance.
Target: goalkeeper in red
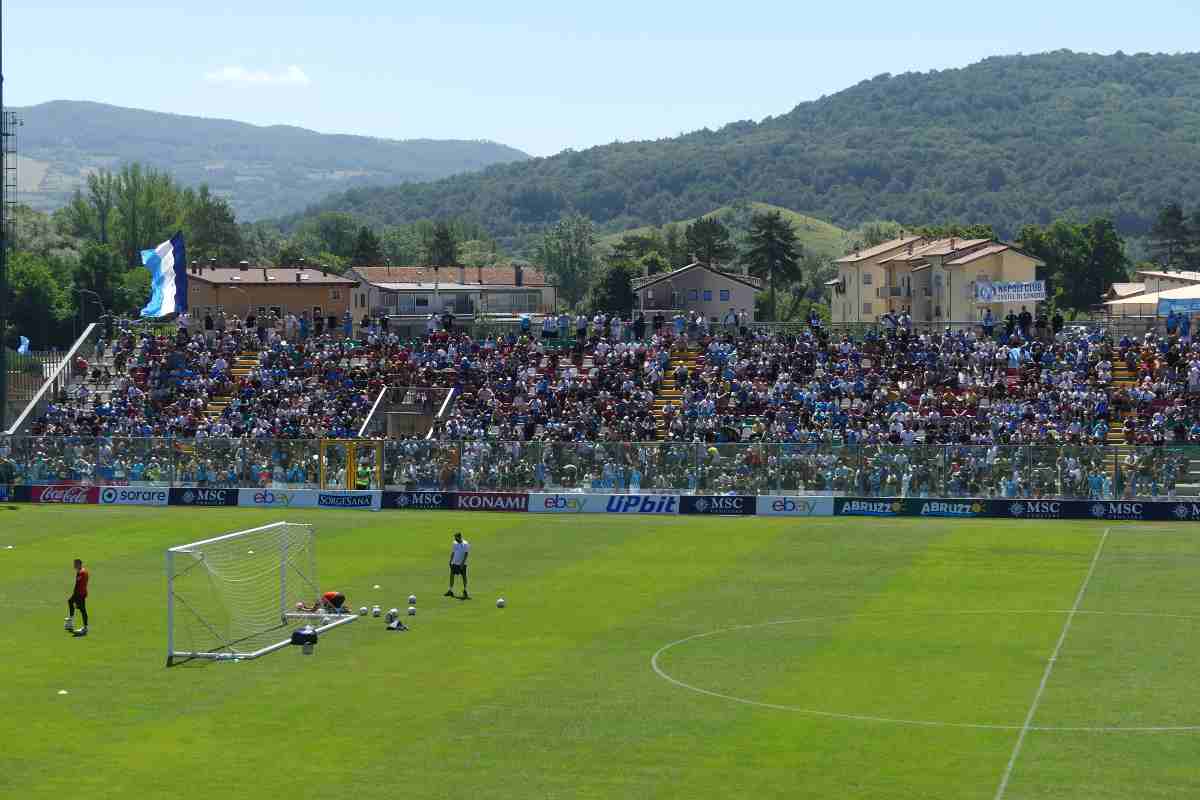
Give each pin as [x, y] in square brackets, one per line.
[329, 602]
[78, 599]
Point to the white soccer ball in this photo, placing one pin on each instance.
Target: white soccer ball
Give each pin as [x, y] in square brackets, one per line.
[299, 606]
[392, 614]
[376, 611]
[362, 612]
[500, 603]
[412, 599]
[412, 611]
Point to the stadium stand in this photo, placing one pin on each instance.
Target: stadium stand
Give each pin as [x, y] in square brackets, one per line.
[606, 404]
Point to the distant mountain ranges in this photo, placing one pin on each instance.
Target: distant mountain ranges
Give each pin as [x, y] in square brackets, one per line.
[1007, 141]
[263, 171]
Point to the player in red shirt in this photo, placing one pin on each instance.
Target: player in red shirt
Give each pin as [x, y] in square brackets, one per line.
[333, 602]
[78, 599]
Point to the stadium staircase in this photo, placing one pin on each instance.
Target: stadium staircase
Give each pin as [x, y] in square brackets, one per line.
[667, 393]
[242, 366]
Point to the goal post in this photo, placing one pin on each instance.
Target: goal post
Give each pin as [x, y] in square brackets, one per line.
[231, 596]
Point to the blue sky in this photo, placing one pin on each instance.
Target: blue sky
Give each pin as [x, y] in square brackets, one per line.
[541, 76]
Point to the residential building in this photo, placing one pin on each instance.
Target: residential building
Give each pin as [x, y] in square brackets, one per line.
[464, 291]
[282, 290]
[934, 280]
[1141, 298]
[698, 287]
[864, 290]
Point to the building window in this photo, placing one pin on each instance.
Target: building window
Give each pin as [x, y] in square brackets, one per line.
[693, 294]
[867, 278]
[422, 300]
[866, 308]
[724, 295]
[335, 294]
[708, 295]
[389, 300]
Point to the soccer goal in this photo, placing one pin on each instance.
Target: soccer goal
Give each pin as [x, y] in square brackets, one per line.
[234, 596]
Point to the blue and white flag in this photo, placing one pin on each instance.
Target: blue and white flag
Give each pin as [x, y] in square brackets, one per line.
[168, 278]
[23, 347]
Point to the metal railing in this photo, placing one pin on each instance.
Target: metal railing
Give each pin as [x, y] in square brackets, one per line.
[59, 380]
[1025, 471]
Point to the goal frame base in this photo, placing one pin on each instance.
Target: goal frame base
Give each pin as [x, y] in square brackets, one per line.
[178, 656]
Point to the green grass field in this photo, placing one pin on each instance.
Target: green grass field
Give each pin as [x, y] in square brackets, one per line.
[905, 662]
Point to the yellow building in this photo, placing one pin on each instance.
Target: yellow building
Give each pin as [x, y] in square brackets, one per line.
[939, 281]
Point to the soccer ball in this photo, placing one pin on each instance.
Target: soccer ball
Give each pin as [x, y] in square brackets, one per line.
[362, 612]
[500, 603]
[68, 624]
[376, 611]
[412, 611]
[299, 606]
[412, 599]
[392, 614]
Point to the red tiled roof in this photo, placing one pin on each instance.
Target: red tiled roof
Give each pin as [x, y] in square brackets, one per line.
[275, 276]
[877, 250]
[491, 276]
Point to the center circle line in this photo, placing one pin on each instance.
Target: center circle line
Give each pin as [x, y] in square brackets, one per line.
[662, 673]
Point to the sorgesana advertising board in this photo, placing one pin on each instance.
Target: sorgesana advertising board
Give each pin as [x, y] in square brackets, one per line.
[490, 501]
[418, 501]
[65, 494]
[787, 506]
[132, 496]
[717, 504]
[277, 498]
[203, 497]
[368, 500]
[569, 503]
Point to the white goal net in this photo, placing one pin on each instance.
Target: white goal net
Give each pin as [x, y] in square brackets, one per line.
[234, 596]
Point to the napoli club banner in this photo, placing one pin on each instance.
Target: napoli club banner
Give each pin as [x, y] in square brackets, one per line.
[717, 504]
[1009, 292]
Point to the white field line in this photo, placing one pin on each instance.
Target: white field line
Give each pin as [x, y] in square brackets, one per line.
[1037, 697]
[656, 666]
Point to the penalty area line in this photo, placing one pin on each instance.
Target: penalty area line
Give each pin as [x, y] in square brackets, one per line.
[1037, 697]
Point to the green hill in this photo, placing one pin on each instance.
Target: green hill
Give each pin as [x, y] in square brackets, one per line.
[818, 237]
[263, 171]
[1007, 141]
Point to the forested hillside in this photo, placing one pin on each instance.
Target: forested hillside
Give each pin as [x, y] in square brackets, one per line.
[1007, 141]
[262, 171]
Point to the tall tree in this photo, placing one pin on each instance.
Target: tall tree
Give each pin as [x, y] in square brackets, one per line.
[567, 253]
[774, 253]
[613, 292]
[443, 247]
[211, 229]
[707, 240]
[1171, 237]
[367, 249]
[102, 194]
[1082, 260]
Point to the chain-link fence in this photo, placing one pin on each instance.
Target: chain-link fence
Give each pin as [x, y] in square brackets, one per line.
[1027, 471]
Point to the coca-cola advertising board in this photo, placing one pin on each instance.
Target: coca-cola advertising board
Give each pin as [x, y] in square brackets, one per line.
[75, 495]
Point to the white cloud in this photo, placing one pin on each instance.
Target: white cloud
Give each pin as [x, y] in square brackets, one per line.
[240, 76]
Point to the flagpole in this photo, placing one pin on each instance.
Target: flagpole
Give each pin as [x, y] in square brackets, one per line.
[3, 249]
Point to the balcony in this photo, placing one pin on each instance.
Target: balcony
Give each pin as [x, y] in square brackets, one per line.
[884, 292]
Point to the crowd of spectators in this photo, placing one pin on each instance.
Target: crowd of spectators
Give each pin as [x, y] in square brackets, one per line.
[1020, 411]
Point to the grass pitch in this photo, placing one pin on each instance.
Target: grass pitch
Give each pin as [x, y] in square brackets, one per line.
[903, 663]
